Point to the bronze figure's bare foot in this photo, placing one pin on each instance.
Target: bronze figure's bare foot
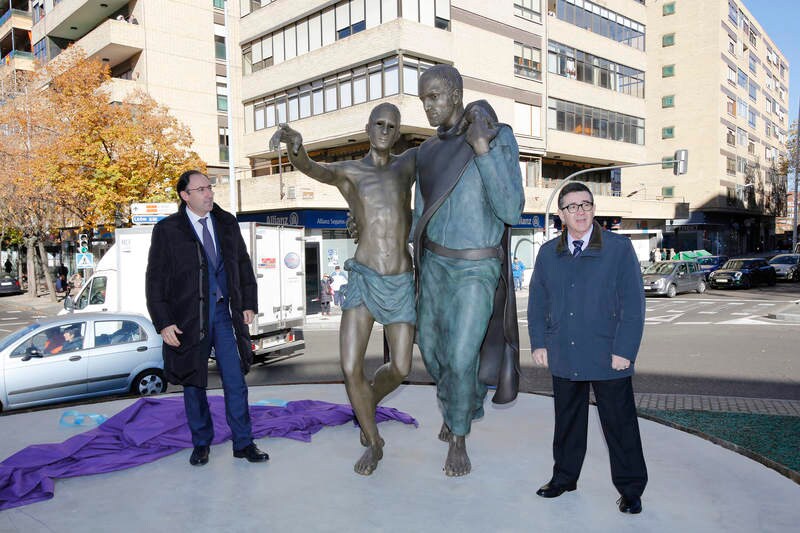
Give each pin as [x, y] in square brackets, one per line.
[445, 434]
[365, 442]
[457, 462]
[369, 460]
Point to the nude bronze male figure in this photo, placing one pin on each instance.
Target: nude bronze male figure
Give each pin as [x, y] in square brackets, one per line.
[377, 189]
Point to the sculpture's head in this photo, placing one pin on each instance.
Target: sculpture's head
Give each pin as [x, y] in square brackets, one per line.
[441, 92]
[383, 128]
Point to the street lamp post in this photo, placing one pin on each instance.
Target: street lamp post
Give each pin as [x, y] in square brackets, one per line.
[679, 167]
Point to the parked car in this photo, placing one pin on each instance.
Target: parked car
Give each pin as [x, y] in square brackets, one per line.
[9, 284]
[710, 263]
[742, 273]
[787, 266]
[80, 356]
[672, 277]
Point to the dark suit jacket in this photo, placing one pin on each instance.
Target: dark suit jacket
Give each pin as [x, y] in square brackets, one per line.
[177, 292]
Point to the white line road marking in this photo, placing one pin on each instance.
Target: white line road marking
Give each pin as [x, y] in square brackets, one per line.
[767, 305]
[707, 312]
[736, 303]
[664, 318]
[740, 314]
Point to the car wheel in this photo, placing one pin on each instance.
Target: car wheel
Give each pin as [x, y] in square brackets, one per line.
[672, 291]
[149, 382]
[701, 287]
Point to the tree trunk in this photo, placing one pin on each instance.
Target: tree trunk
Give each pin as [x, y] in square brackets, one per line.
[30, 243]
[48, 276]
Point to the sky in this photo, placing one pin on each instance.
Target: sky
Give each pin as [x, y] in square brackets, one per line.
[780, 19]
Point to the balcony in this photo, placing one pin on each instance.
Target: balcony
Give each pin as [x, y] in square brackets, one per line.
[113, 41]
[15, 18]
[17, 60]
[72, 19]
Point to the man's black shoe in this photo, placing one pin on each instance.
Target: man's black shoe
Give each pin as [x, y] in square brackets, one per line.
[552, 490]
[199, 456]
[252, 454]
[630, 505]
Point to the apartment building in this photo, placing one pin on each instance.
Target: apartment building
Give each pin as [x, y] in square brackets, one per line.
[718, 86]
[175, 50]
[15, 42]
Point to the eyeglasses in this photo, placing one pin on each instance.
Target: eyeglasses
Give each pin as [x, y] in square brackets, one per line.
[209, 188]
[573, 208]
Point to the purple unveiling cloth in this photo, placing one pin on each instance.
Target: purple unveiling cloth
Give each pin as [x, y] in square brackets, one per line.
[150, 429]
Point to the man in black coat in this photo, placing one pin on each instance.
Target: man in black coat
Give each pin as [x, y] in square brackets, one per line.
[201, 293]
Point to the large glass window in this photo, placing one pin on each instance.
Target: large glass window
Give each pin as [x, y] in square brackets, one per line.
[339, 21]
[344, 89]
[667, 71]
[600, 20]
[587, 120]
[528, 9]
[527, 61]
[576, 64]
[219, 47]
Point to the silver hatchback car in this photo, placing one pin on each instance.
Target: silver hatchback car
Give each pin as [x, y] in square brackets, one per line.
[672, 277]
[79, 356]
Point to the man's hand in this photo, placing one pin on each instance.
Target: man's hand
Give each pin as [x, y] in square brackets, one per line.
[619, 363]
[249, 315]
[540, 357]
[287, 135]
[170, 335]
[481, 130]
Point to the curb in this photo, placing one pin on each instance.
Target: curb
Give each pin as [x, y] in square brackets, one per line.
[790, 313]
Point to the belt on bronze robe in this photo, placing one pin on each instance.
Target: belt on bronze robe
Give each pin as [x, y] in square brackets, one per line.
[472, 254]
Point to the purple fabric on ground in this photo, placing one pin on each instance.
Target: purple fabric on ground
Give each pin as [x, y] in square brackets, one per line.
[150, 429]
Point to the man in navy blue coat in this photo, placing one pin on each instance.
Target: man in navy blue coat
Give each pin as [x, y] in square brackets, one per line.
[585, 320]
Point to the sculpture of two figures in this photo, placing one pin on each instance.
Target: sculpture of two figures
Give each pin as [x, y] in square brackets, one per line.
[468, 194]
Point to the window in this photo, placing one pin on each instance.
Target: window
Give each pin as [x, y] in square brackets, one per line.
[741, 108]
[40, 50]
[742, 79]
[340, 90]
[751, 117]
[668, 132]
[113, 332]
[731, 106]
[527, 119]
[753, 91]
[222, 93]
[733, 12]
[54, 341]
[668, 9]
[667, 161]
[753, 64]
[219, 4]
[732, 45]
[741, 164]
[751, 148]
[667, 71]
[668, 192]
[223, 144]
[597, 19]
[668, 39]
[578, 65]
[741, 137]
[528, 9]
[219, 47]
[587, 120]
[730, 138]
[731, 75]
[731, 166]
[668, 101]
[527, 61]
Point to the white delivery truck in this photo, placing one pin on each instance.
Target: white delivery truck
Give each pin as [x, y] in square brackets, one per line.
[277, 253]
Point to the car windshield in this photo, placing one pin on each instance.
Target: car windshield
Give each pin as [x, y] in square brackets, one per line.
[663, 267]
[14, 337]
[708, 260]
[785, 260]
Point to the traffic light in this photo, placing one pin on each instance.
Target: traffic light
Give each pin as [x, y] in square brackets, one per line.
[83, 243]
[680, 162]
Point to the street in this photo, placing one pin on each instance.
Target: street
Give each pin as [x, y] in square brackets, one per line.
[720, 343]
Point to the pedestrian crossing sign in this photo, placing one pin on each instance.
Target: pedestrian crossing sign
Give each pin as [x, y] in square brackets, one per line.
[85, 260]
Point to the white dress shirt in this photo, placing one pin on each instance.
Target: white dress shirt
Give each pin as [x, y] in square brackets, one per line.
[584, 239]
[198, 227]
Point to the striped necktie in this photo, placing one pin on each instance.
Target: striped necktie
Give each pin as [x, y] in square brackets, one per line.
[577, 251]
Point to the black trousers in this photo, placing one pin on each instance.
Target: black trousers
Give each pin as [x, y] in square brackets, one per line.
[617, 410]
